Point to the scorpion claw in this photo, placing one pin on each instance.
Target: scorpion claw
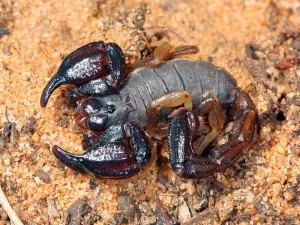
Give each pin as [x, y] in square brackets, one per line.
[87, 63]
[105, 160]
[116, 64]
[54, 83]
[110, 157]
[69, 159]
[84, 64]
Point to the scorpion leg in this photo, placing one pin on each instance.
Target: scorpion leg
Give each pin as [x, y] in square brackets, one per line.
[169, 100]
[184, 162]
[182, 130]
[183, 50]
[163, 51]
[111, 157]
[242, 134]
[213, 108]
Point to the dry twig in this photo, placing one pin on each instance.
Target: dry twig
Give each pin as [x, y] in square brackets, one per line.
[8, 209]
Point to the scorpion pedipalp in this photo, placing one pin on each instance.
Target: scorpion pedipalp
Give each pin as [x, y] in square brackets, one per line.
[111, 156]
[104, 160]
[89, 62]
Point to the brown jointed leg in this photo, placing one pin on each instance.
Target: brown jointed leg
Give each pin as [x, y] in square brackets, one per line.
[163, 51]
[213, 108]
[242, 134]
[168, 100]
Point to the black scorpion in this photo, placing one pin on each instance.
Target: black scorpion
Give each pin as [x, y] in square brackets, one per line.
[127, 109]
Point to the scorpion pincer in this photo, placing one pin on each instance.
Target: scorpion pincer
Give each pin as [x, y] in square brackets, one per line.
[129, 108]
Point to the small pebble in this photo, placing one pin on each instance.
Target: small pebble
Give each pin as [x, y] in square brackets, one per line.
[41, 174]
[288, 196]
[191, 187]
[184, 214]
[37, 180]
[281, 150]
[36, 138]
[225, 207]
[76, 211]
[126, 205]
[7, 162]
[52, 210]
[148, 220]
[243, 195]
[117, 219]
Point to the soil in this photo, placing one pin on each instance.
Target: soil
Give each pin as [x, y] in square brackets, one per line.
[258, 42]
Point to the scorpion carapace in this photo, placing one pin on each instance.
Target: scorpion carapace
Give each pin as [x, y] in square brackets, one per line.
[129, 108]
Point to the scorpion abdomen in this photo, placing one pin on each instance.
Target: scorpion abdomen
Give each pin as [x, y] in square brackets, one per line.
[200, 78]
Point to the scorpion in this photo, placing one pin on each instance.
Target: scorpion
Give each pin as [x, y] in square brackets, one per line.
[124, 106]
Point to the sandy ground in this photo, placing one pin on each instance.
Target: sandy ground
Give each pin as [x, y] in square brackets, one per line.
[262, 188]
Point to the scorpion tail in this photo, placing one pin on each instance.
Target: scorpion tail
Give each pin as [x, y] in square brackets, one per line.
[54, 83]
